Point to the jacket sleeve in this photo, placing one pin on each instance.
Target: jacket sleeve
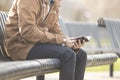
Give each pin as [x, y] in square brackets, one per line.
[57, 30]
[27, 24]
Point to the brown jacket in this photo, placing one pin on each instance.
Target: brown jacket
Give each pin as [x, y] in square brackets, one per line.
[27, 25]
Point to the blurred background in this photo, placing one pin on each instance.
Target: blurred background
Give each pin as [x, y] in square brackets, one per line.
[82, 10]
[86, 11]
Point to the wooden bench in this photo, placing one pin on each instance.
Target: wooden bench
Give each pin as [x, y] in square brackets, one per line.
[12, 70]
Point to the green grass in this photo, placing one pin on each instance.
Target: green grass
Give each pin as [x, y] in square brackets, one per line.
[104, 68]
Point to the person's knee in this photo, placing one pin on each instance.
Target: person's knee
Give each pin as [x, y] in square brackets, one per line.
[68, 55]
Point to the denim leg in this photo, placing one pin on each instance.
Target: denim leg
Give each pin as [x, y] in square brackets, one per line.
[65, 54]
[41, 77]
[67, 70]
[80, 65]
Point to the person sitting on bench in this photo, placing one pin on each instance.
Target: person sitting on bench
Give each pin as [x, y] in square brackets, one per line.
[33, 32]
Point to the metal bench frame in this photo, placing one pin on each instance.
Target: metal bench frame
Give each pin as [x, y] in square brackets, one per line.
[12, 70]
[112, 26]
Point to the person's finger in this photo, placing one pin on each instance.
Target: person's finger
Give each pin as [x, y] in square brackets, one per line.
[76, 45]
[79, 42]
[83, 43]
[70, 44]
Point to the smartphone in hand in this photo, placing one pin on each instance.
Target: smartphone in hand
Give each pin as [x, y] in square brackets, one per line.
[81, 38]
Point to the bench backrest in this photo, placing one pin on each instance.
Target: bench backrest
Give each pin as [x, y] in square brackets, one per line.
[113, 28]
[3, 17]
[100, 40]
[71, 29]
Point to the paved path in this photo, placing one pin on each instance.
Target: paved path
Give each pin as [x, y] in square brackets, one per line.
[88, 76]
[101, 76]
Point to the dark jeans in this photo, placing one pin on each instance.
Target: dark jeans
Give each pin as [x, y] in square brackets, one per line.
[73, 65]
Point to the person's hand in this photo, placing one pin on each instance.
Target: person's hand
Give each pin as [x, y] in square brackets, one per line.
[78, 44]
[70, 43]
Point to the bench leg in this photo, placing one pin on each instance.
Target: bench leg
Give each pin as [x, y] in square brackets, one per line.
[41, 77]
[111, 70]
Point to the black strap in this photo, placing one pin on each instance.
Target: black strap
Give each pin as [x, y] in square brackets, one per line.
[51, 1]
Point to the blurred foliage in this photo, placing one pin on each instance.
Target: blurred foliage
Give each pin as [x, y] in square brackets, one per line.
[5, 5]
[76, 15]
[82, 10]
